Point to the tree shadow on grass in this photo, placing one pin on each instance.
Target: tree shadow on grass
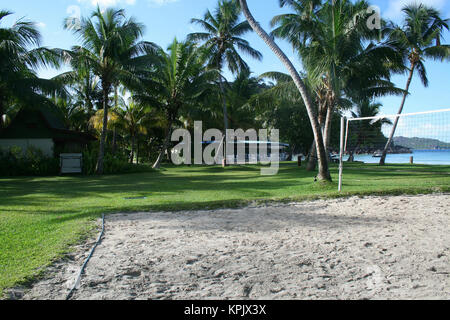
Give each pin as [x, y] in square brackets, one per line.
[24, 191]
[238, 182]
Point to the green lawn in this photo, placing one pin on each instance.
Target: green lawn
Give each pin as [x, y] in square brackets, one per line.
[41, 217]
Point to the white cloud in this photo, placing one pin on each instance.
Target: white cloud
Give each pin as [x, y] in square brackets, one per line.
[160, 3]
[41, 25]
[113, 3]
[394, 10]
[107, 3]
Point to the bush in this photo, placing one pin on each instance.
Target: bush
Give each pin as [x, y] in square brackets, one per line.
[112, 164]
[32, 162]
[89, 162]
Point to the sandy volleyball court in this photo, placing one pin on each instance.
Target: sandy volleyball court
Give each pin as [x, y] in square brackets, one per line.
[370, 248]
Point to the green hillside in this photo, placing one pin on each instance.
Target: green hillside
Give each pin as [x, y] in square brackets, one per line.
[420, 143]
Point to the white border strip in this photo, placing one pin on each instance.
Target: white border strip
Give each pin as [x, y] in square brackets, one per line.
[398, 115]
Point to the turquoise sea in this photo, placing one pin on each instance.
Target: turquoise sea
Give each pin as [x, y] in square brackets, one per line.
[436, 157]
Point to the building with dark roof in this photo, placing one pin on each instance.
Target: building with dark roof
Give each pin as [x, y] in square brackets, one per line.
[43, 129]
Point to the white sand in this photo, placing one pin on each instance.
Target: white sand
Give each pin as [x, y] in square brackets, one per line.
[370, 248]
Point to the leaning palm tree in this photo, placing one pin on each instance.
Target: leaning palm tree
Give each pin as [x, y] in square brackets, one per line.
[418, 39]
[19, 83]
[112, 50]
[324, 172]
[223, 42]
[178, 81]
[339, 54]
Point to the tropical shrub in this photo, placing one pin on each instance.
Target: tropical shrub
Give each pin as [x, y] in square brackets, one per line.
[32, 162]
[113, 164]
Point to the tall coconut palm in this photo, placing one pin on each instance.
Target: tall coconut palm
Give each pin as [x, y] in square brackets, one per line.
[418, 39]
[324, 172]
[366, 131]
[339, 54]
[223, 42]
[285, 88]
[112, 49]
[19, 82]
[176, 82]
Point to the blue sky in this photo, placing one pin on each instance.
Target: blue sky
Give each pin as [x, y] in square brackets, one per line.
[165, 19]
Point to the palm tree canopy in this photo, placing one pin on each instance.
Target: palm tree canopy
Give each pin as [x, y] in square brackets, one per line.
[368, 109]
[367, 131]
[338, 50]
[20, 56]
[110, 47]
[239, 93]
[420, 37]
[178, 80]
[222, 37]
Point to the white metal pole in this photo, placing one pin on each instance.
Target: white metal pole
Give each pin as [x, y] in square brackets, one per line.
[341, 156]
[346, 135]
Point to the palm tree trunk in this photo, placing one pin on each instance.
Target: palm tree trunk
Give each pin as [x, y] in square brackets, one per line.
[312, 158]
[224, 102]
[394, 128]
[133, 147]
[101, 154]
[326, 128]
[351, 157]
[324, 173]
[137, 151]
[114, 143]
[225, 110]
[116, 105]
[312, 161]
[328, 123]
[157, 164]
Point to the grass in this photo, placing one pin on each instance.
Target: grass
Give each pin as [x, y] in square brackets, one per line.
[41, 218]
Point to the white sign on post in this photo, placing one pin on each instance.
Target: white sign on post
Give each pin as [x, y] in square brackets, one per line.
[71, 163]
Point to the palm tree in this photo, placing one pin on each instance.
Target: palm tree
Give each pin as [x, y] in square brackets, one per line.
[339, 54]
[19, 82]
[280, 105]
[238, 94]
[132, 120]
[85, 98]
[73, 116]
[223, 42]
[85, 87]
[366, 131]
[286, 89]
[418, 39]
[178, 81]
[324, 172]
[112, 51]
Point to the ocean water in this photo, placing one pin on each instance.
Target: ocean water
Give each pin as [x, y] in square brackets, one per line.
[436, 157]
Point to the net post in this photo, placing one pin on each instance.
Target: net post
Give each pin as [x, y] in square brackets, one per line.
[341, 155]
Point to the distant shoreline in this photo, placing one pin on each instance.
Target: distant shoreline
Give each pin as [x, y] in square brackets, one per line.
[431, 150]
[428, 157]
